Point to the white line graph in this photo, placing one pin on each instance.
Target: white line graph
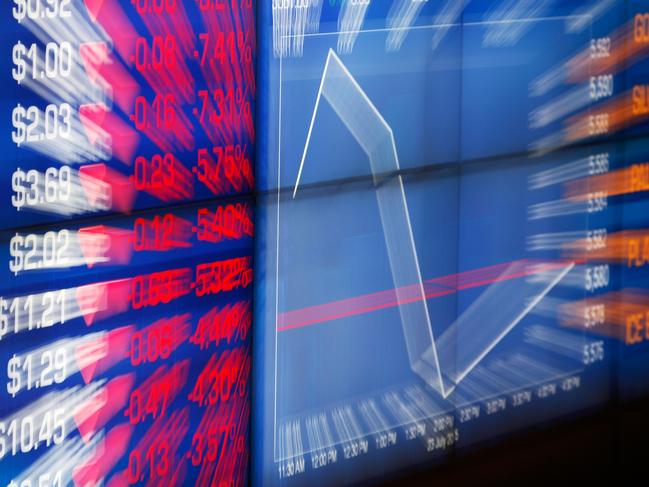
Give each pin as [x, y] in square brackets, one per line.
[375, 136]
[469, 372]
[506, 303]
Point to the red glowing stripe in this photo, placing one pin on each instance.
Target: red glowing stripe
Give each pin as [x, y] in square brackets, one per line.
[433, 288]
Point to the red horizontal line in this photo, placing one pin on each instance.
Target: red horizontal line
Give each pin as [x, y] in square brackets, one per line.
[433, 288]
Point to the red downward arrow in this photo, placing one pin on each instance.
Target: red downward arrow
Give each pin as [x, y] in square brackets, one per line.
[104, 69]
[96, 355]
[94, 55]
[88, 355]
[105, 245]
[94, 8]
[93, 414]
[98, 120]
[110, 15]
[92, 118]
[104, 457]
[93, 299]
[87, 415]
[122, 191]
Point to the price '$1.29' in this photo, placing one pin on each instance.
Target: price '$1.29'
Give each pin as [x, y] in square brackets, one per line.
[35, 370]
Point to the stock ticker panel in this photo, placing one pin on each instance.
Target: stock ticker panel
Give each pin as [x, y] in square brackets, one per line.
[451, 239]
[126, 232]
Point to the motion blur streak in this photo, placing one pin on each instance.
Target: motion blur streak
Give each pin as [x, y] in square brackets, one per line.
[584, 15]
[509, 22]
[291, 22]
[350, 21]
[447, 16]
[401, 17]
[629, 248]
[626, 315]
[628, 180]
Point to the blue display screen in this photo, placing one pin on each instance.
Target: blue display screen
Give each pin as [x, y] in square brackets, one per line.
[450, 228]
